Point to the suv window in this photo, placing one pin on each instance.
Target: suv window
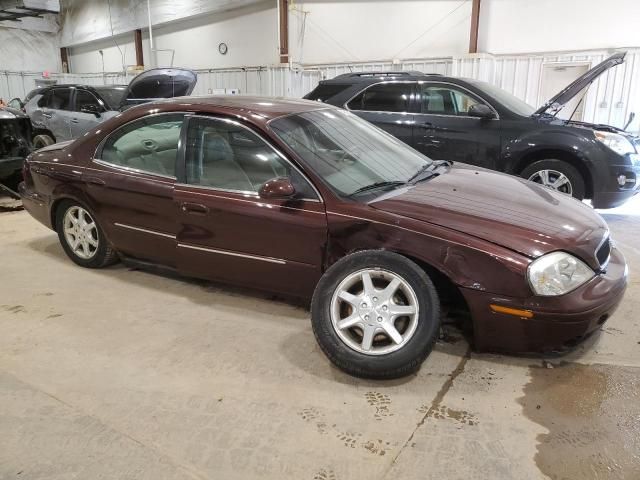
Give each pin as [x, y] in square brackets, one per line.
[149, 145]
[227, 156]
[84, 98]
[60, 99]
[43, 101]
[444, 100]
[323, 92]
[386, 97]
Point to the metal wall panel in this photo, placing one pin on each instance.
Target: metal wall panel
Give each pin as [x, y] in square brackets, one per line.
[609, 100]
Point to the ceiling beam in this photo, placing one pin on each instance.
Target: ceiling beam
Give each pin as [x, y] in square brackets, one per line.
[475, 24]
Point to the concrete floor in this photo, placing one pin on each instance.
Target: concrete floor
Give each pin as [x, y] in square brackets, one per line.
[130, 375]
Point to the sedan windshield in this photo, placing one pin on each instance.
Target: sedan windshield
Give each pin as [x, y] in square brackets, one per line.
[350, 154]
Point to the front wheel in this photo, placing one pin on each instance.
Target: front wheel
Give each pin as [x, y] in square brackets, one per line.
[81, 236]
[376, 314]
[41, 141]
[556, 174]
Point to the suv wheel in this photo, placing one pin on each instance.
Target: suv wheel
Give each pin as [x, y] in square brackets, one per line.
[81, 236]
[41, 141]
[556, 174]
[376, 314]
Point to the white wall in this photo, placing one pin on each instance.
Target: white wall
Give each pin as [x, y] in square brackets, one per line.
[250, 33]
[355, 30]
[524, 26]
[25, 50]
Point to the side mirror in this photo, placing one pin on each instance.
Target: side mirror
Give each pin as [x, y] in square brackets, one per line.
[277, 188]
[480, 110]
[93, 109]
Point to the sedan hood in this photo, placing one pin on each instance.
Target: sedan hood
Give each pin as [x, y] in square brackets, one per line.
[508, 211]
[160, 83]
[556, 103]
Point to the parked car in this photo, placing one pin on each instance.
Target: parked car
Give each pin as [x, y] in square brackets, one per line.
[65, 112]
[306, 199]
[474, 122]
[15, 143]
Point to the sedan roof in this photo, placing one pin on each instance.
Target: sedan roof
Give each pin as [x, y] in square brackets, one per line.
[266, 107]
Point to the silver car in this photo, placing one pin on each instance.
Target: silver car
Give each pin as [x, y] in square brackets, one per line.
[65, 112]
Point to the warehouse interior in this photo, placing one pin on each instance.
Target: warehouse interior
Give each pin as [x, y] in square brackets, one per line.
[140, 371]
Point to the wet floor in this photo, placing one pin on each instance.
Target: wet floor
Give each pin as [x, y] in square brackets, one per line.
[592, 414]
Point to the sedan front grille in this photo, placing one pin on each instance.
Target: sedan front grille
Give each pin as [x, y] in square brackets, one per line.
[603, 252]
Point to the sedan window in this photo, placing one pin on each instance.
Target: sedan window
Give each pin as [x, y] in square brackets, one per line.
[149, 145]
[225, 155]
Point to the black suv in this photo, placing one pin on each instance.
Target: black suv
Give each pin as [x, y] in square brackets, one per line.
[474, 122]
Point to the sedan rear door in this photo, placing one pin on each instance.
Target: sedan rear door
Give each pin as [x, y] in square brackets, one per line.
[226, 231]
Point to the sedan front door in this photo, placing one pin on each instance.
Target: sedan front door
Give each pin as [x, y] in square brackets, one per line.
[227, 231]
[444, 130]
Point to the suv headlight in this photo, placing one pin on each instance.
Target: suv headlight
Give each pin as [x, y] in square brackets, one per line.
[618, 143]
[557, 273]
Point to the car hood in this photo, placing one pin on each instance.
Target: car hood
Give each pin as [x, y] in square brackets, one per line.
[159, 83]
[505, 210]
[557, 102]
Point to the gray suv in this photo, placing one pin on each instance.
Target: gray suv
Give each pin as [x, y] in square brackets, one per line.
[65, 112]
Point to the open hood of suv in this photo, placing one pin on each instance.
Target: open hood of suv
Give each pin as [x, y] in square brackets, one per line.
[556, 103]
[159, 83]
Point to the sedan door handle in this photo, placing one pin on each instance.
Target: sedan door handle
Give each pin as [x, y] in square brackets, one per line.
[95, 181]
[427, 126]
[194, 208]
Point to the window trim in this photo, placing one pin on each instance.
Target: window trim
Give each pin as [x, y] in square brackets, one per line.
[416, 83]
[472, 94]
[86, 90]
[182, 158]
[96, 158]
[413, 83]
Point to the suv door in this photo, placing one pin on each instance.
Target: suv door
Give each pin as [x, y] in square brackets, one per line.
[131, 182]
[56, 112]
[82, 122]
[227, 231]
[387, 105]
[445, 131]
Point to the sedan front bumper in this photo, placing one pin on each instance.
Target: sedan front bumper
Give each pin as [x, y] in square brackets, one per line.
[557, 323]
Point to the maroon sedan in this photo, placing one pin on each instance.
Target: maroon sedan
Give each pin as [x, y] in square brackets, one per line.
[309, 200]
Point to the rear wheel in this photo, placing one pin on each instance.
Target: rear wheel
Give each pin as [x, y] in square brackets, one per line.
[556, 174]
[42, 140]
[376, 314]
[81, 236]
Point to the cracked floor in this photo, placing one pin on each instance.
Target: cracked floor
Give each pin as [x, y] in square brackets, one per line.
[130, 375]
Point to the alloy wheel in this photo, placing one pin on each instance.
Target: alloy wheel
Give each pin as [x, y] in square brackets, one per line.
[553, 179]
[374, 311]
[80, 232]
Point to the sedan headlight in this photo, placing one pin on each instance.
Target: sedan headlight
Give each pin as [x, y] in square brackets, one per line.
[618, 143]
[557, 273]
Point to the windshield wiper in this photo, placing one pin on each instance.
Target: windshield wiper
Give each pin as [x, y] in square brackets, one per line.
[375, 186]
[428, 168]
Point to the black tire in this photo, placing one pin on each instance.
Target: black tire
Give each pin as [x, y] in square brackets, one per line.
[398, 363]
[104, 255]
[575, 177]
[41, 141]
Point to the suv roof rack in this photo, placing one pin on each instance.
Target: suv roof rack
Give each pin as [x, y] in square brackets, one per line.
[384, 74]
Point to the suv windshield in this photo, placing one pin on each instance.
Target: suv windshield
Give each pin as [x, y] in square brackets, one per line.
[112, 95]
[510, 101]
[350, 154]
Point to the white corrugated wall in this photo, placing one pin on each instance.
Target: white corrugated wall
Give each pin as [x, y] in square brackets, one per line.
[609, 100]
